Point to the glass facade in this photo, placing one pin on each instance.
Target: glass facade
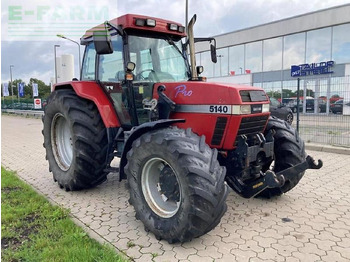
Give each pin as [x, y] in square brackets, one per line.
[314, 46]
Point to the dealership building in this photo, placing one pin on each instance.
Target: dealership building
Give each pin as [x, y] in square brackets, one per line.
[314, 47]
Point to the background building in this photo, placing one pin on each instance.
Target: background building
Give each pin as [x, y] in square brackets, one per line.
[263, 56]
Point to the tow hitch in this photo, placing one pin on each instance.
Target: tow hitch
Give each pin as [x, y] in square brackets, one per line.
[271, 179]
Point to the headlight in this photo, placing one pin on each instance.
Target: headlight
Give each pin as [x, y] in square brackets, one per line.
[265, 108]
[241, 109]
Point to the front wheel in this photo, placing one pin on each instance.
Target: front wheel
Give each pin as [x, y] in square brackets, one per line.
[176, 184]
[289, 150]
[75, 140]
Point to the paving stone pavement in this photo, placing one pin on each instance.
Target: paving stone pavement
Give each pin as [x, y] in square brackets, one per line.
[310, 223]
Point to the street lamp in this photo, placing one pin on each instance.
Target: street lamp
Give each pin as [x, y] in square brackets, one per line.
[54, 48]
[11, 83]
[62, 36]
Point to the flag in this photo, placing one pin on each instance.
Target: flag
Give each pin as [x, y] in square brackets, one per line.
[35, 89]
[20, 89]
[5, 89]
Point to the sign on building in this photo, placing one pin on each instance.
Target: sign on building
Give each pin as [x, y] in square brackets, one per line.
[312, 69]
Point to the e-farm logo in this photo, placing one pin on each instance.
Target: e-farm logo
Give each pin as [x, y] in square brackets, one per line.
[44, 22]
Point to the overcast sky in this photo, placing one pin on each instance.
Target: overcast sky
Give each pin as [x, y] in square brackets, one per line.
[29, 28]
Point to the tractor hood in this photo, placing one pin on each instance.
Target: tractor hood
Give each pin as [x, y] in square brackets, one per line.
[205, 93]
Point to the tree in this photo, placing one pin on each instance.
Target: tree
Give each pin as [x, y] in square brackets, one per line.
[43, 89]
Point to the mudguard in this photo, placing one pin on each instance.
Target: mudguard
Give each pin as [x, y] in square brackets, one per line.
[92, 91]
[139, 131]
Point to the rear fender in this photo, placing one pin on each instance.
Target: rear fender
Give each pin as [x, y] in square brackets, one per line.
[139, 131]
[92, 91]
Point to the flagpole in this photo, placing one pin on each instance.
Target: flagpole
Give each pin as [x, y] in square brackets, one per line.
[11, 83]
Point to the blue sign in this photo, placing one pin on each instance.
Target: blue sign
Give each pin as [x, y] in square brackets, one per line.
[312, 69]
[21, 89]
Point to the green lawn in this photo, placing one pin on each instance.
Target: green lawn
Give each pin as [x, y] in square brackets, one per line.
[34, 230]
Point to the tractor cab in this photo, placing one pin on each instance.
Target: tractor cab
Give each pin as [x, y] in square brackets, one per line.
[128, 56]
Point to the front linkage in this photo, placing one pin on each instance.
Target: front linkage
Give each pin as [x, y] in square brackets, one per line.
[246, 154]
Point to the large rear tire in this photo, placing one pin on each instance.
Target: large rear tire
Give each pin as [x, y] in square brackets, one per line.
[289, 150]
[176, 184]
[75, 140]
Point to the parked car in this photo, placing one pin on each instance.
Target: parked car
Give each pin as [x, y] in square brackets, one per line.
[280, 111]
[310, 106]
[337, 107]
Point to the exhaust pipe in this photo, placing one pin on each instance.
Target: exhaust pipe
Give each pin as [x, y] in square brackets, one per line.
[192, 49]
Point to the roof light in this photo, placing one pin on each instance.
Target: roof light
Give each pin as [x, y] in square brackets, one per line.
[181, 29]
[139, 22]
[151, 22]
[173, 27]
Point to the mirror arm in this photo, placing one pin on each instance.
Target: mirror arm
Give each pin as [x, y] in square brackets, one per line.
[113, 26]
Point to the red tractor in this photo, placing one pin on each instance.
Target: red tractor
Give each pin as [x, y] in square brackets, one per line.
[180, 140]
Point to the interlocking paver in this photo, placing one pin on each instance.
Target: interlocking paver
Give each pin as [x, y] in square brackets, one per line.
[316, 212]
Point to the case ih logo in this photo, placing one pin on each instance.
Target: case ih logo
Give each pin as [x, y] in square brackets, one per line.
[312, 69]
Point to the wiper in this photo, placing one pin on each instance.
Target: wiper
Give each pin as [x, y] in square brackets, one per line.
[171, 42]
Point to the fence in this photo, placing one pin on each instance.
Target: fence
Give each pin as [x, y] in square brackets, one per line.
[325, 111]
[21, 103]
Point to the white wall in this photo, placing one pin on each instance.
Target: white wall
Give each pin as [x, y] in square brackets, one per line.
[245, 79]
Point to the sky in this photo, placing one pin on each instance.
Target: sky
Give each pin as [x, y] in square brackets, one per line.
[29, 27]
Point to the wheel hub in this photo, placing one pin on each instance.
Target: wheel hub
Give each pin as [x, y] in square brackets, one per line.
[160, 187]
[61, 141]
[168, 184]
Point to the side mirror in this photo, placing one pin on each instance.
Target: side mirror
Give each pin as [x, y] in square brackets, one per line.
[214, 58]
[200, 69]
[102, 42]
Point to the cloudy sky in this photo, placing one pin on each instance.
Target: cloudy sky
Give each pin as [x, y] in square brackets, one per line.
[29, 27]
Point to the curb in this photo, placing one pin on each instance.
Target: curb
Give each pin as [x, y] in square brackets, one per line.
[25, 113]
[328, 148]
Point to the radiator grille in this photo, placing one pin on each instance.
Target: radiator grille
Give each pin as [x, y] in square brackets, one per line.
[219, 131]
[252, 125]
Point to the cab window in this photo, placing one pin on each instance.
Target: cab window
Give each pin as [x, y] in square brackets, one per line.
[88, 71]
[111, 66]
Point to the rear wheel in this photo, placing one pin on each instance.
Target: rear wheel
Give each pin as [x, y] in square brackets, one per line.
[176, 184]
[75, 140]
[289, 151]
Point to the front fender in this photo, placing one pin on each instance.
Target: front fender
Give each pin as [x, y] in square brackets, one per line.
[93, 91]
[139, 131]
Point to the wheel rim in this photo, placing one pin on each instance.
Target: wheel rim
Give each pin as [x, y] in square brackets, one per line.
[164, 200]
[61, 141]
[290, 118]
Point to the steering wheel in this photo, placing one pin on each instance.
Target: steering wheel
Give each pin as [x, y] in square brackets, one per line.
[139, 76]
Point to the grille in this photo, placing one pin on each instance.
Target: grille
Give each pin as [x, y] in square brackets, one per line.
[252, 125]
[219, 130]
[253, 96]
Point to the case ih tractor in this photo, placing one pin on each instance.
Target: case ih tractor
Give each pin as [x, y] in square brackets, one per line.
[180, 139]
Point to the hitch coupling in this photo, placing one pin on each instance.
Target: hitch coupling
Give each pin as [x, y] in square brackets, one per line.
[271, 179]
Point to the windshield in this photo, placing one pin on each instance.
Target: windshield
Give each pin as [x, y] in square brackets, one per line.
[157, 60]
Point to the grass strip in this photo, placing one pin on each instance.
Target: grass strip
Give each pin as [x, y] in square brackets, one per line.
[34, 230]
